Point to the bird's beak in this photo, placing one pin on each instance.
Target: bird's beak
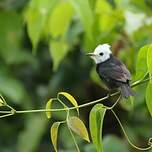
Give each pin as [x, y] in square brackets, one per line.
[90, 54]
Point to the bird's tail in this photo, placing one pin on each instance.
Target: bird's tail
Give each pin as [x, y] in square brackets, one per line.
[126, 90]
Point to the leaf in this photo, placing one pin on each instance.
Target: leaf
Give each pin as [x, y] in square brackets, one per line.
[85, 13]
[70, 98]
[58, 50]
[141, 66]
[12, 87]
[149, 97]
[2, 101]
[48, 106]
[108, 18]
[54, 134]
[96, 122]
[36, 16]
[60, 19]
[59, 22]
[149, 61]
[77, 126]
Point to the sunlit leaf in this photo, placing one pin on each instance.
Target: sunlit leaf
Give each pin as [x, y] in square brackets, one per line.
[77, 126]
[149, 97]
[108, 18]
[149, 61]
[60, 19]
[141, 66]
[48, 106]
[36, 16]
[59, 22]
[96, 122]
[2, 101]
[54, 134]
[58, 50]
[70, 98]
[83, 8]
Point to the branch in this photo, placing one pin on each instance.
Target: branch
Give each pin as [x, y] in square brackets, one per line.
[71, 108]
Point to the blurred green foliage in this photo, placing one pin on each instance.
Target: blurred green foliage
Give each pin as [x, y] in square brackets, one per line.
[59, 33]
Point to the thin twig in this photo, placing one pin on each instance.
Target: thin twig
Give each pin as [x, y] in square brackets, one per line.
[76, 145]
[7, 115]
[80, 106]
[109, 108]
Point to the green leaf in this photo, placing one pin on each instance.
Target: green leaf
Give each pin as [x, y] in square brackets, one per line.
[108, 18]
[1, 103]
[85, 13]
[149, 97]
[54, 134]
[60, 19]
[77, 126]
[59, 22]
[36, 16]
[12, 87]
[58, 50]
[96, 122]
[70, 98]
[48, 106]
[141, 66]
[149, 61]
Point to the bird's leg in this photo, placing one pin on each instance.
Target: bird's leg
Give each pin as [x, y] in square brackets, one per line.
[109, 95]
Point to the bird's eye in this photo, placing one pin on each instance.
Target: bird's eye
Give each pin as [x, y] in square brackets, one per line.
[101, 54]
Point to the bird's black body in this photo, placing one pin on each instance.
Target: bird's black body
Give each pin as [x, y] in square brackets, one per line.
[115, 75]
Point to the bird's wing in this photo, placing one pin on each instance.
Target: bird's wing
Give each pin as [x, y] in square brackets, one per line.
[116, 71]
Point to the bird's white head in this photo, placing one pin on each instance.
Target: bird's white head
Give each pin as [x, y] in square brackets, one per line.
[101, 53]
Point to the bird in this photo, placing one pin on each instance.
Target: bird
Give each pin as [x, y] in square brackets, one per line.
[111, 70]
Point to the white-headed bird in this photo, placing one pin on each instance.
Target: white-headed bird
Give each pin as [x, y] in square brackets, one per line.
[111, 70]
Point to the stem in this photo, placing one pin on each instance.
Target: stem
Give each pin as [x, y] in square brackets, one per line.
[64, 105]
[129, 141]
[140, 82]
[10, 107]
[109, 108]
[80, 106]
[7, 115]
[76, 145]
[5, 112]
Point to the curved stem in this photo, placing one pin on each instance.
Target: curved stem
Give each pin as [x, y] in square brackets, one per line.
[129, 141]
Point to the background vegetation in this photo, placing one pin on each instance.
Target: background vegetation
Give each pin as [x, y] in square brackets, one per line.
[42, 52]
